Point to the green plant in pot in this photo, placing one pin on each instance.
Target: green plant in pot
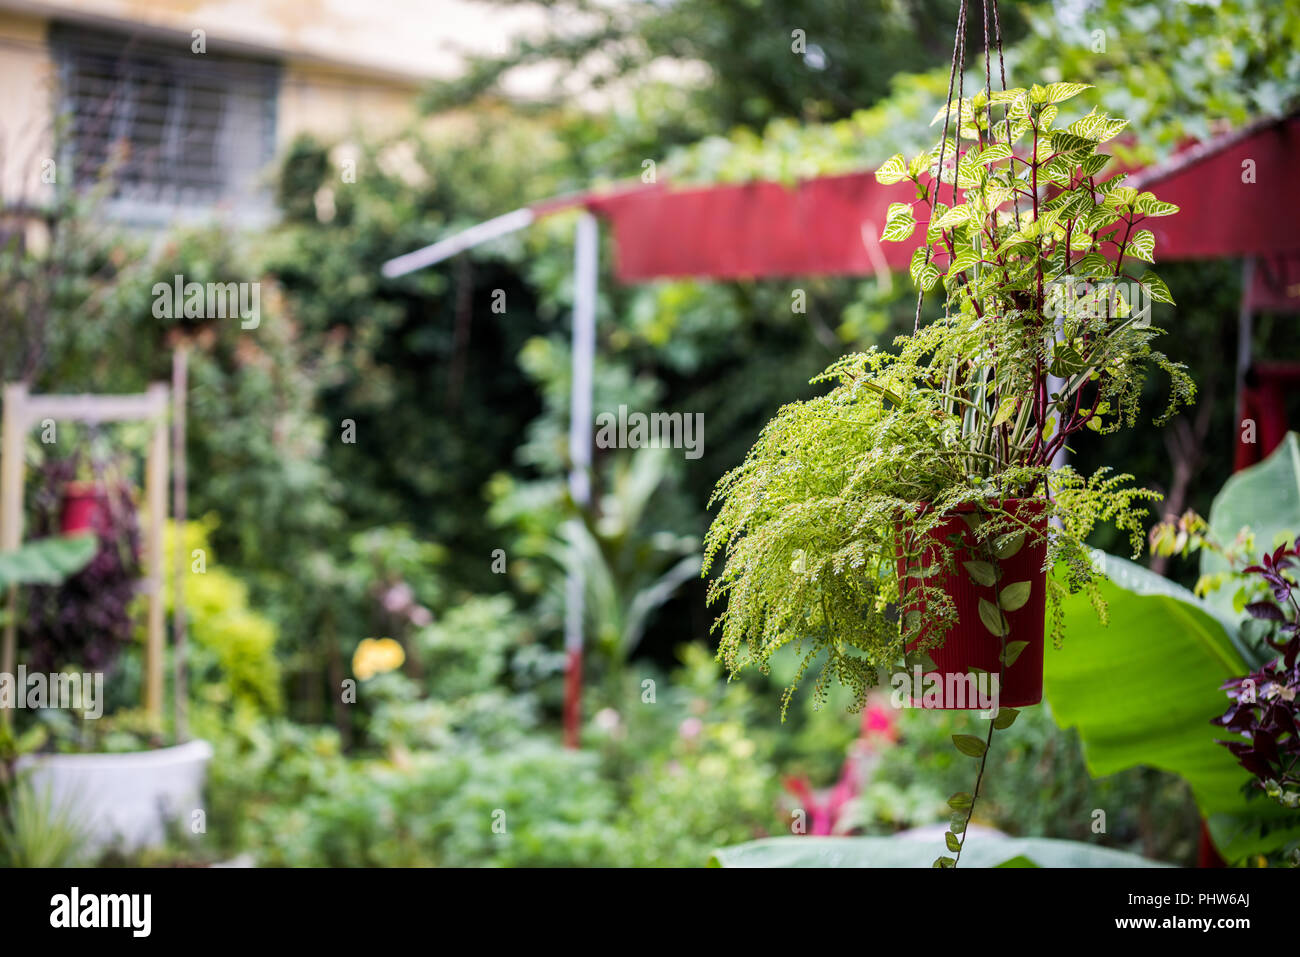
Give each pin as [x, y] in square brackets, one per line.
[913, 514]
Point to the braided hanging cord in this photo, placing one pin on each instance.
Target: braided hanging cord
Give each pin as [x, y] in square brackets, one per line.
[957, 51]
[1002, 68]
[956, 77]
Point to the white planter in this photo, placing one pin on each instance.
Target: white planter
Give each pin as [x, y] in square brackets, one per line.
[125, 799]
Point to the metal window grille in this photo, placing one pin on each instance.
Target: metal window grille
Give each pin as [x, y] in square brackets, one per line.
[166, 132]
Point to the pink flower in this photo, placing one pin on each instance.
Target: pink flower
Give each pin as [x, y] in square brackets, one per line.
[879, 722]
[397, 598]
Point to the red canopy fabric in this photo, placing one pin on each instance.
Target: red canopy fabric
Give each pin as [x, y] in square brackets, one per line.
[1238, 195]
[821, 227]
[831, 225]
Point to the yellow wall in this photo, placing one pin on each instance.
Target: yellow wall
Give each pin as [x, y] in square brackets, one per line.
[332, 101]
[416, 38]
[334, 104]
[26, 110]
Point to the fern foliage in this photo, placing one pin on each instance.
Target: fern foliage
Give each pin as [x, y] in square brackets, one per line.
[1046, 331]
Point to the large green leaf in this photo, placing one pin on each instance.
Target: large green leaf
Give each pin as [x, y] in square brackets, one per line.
[1142, 691]
[46, 561]
[981, 851]
[1264, 498]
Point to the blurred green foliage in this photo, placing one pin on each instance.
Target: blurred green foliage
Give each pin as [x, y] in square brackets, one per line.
[459, 414]
[754, 59]
[1039, 787]
[232, 655]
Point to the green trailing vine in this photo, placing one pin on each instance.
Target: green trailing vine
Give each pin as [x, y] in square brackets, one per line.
[993, 615]
[1046, 332]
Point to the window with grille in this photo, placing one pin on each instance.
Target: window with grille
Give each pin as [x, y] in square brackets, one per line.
[167, 133]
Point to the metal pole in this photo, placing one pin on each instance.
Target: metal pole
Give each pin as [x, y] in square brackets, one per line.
[155, 494]
[1056, 384]
[586, 252]
[180, 376]
[469, 238]
[1245, 330]
[11, 512]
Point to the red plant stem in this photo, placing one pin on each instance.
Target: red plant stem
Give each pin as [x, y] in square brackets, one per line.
[1119, 258]
[1040, 403]
[1038, 240]
[573, 698]
[1076, 423]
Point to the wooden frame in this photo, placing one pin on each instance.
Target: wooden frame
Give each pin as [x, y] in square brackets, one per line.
[21, 412]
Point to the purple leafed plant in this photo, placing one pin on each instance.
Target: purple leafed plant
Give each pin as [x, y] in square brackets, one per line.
[1263, 709]
[86, 620]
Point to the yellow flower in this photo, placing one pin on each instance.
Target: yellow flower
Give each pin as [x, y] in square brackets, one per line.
[374, 656]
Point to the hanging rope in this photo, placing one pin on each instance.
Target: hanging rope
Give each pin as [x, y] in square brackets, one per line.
[988, 76]
[958, 64]
[957, 78]
[1002, 68]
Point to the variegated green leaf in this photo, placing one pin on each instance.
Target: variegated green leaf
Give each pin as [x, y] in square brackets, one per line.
[1148, 205]
[1113, 129]
[1121, 196]
[1156, 287]
[894, 170]
[958, 214]
[1067, 142]
[1142, 245]
[920, 257]
[1060, 92]
[1092, 165]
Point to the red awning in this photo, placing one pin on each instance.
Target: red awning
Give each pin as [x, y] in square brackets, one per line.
[822, 227]
[831, 226]
[1238, 195]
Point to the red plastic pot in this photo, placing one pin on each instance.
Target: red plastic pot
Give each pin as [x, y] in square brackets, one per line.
[82, 505]
[970, 643]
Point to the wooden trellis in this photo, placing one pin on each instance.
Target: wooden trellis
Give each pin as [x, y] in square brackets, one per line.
[21, 412]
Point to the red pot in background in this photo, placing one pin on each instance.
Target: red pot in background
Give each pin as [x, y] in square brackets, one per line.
[83, 503]
[970, 643]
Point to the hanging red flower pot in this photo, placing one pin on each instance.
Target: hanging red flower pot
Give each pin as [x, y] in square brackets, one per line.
[996, 587]
[83, 504]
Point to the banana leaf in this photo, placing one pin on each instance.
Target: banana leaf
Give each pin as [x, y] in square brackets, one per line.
[1264, 498]
[1142, 690]
[46, 561]
[981, 851]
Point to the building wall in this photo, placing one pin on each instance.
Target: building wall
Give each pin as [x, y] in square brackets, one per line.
[421, 39]
[27, 84]
[335, 104]
[333, 100]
